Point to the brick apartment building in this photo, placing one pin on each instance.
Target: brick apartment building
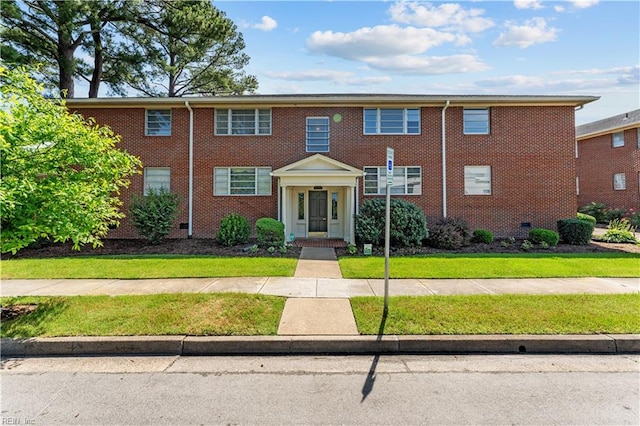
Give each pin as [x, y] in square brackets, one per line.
[608, 161]
[504, 163]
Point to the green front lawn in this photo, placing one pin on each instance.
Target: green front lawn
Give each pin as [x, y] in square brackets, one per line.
[224, 314]
[134, 267]
[502, 314]
[521, 265]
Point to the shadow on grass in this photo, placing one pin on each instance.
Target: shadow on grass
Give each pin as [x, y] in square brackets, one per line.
[33, 324]
[371, 376]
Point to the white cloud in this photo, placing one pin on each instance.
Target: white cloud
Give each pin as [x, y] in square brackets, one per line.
[267, 23]
[527, 4]
[337, 77]
[583, 4]
[533, 31]
[448, 15]
[379, 41]
[428, 65]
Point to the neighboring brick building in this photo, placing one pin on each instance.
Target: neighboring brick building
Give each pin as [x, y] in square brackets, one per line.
[608, 161]
[311, 160]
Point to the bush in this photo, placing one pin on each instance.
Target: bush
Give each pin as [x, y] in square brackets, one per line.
[633, 217]
[588, 218]
[540, 235]
[408, 225]
[234, 229]
[575, 231]
[153, 214]
[270, 232]
[597, 210]
[613, 214]
[450, 234]
[619, 231]
[482, 236]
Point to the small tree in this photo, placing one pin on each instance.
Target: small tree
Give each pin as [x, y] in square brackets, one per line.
[153, 215]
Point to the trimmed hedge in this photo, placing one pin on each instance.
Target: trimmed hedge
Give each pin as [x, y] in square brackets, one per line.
[270, 232]
[540, 235]
[588, 218]
[482, 236]
[234, 229]
[408, 225]
[575, 231]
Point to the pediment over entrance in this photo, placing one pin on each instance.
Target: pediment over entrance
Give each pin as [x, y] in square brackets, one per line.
[319, 165]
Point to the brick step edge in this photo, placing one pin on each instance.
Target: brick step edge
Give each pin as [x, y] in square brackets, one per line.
[300, 345]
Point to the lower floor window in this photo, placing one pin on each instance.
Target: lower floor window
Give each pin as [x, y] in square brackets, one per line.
[406, 181]
[619, 182]
[242, 181]
[156, 179]
[477, 180]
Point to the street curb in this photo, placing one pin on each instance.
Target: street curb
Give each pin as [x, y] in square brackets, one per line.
[338, 345]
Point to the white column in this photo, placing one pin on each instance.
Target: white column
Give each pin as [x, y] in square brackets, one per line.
[285, 212]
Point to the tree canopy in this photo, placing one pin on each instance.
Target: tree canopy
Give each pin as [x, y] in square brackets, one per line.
[60, 175]
[157, 47]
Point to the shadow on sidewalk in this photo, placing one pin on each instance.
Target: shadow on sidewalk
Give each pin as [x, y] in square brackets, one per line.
[371, 376]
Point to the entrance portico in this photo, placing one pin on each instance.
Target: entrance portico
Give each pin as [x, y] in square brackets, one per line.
[317, 198]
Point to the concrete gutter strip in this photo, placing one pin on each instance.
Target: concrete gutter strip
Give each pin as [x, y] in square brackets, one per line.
[299, 345]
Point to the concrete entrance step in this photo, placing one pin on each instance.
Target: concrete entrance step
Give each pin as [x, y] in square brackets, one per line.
[318, 262]
[317, 317]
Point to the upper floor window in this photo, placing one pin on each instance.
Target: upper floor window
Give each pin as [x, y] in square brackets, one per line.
[477, 180]
[406, 181]
[157, 178]
[317, 134]
[242, 181]
[476, 121]
[243, 121]
[391, 121]
[617, 139]
[158, 122]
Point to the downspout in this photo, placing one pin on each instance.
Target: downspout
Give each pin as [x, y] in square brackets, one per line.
[444, 161]
[190, 220]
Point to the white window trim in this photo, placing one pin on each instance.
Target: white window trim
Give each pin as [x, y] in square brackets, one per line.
[147, 185]
[146, 122]
[405, 122]
[619, 182]
[382, 177]
[256, 123]
[257, 183]
[467, 190]
[464, 128]
[307, 133]
[620, 142]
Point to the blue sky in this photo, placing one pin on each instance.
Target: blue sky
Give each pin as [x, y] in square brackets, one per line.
[518, 47]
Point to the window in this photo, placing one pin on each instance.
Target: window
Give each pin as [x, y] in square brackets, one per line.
[300, 205]
[157, 178]
[243, 121]
[391, 121]
[477, 180]
[476, 121]
[617, 139]
[242, 181]
[158, 122]
[619, 182]
[406, 181]
[334, 206]
[317, 134]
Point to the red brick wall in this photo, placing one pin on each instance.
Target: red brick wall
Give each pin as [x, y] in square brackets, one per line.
[597, 162]
[530, 150]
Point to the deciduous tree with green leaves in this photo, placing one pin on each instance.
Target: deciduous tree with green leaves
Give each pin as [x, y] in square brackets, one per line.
[60, 175]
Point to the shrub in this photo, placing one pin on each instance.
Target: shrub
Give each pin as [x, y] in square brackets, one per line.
[526, 245]
[575, 231]
[482, 236]
[619, 231]
[597, 210]
[408, 225]
[352, 249]
[234, 229]
[270, 232]
[540, 235]
[588, 218]
[153, 215]
[449, 234]
[613, 214]
[633, 217]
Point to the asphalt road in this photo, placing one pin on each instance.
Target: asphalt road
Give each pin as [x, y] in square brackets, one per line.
[472, 389]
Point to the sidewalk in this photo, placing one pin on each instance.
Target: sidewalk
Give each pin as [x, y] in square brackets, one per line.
[317, 317]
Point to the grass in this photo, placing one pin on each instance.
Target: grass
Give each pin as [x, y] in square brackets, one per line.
[225, 314]
[503, 314]
[522, 265]
[133, 267]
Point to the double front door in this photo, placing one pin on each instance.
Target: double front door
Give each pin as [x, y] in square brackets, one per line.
[318, 211]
